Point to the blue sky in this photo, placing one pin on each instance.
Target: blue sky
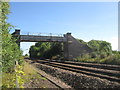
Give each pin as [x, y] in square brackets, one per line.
[85, 20]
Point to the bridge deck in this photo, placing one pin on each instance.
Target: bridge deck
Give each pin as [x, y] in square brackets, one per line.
[34, 38]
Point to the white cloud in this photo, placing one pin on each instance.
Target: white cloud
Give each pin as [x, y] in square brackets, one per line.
[114, 43]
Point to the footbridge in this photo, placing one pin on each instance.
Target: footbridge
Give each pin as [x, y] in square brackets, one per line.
[72, 47]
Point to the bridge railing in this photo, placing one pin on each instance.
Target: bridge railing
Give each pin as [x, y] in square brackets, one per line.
[42, 34]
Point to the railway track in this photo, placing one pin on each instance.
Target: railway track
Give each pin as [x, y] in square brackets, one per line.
[103, 71]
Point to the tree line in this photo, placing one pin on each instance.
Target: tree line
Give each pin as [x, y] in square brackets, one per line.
[46, 50]
[49, 50]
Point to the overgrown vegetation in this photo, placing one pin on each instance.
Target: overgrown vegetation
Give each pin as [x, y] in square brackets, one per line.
[29, 72]
[102, 53]
[43, 50]
[14, 79]
[24, 76]
[10, 52]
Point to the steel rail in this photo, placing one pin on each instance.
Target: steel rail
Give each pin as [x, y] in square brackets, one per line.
[96, 72]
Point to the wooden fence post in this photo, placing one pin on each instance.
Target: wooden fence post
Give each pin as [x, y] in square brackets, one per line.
[17, 84]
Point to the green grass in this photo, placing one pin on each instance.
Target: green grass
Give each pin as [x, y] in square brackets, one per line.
[8, 79]
[31, 73]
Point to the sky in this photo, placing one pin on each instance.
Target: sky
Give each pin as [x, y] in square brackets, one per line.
[85, 20]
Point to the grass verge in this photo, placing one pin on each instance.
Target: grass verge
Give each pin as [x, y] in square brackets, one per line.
[9, 79]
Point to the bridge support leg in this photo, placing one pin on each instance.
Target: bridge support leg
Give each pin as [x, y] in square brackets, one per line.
[16, 35]
[66, 47]
[73, 48]
[66, 52]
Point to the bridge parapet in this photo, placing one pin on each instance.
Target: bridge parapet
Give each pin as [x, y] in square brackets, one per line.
[34, 38]
[42, 34]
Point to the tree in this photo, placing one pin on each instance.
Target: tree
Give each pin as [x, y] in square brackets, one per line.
[26, 55]
[45, 50]
[10, 50]
[100, 46]
[81, 41]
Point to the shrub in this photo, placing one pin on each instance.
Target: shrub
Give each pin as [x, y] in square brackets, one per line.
[10, 50]
[93, 55]
[103, 55]
[86, 56]
[113, 59]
